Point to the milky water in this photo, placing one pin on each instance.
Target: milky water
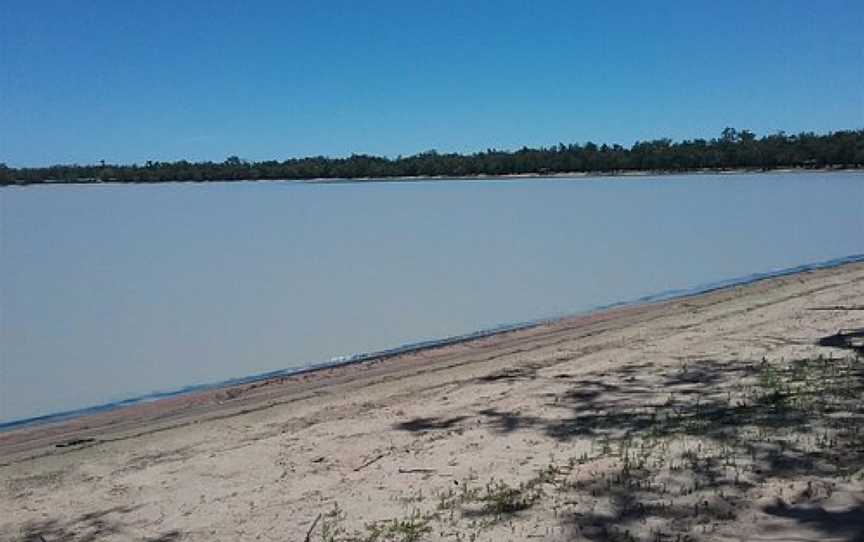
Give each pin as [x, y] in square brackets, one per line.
[113, 291]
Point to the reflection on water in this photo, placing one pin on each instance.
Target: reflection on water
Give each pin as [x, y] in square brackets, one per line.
[113, 291]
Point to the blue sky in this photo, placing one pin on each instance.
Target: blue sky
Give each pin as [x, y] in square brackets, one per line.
[159, 80]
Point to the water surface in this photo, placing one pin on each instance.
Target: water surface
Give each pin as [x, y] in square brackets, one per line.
[113, 291]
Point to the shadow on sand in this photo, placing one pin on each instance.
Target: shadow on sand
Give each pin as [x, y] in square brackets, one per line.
[90, 527]
[687, 445]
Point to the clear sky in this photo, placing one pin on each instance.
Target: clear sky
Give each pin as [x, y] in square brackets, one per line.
[202, 80]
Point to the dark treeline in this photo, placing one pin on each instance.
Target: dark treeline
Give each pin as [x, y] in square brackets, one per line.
[734, 149]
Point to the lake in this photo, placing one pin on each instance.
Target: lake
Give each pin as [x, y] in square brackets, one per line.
[114, 291]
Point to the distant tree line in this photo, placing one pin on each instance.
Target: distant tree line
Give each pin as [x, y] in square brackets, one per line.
[734, 149]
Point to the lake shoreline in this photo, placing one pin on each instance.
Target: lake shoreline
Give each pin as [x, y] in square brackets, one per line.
[554, 415]
[577, 175]
[168, 409]
[408, 349]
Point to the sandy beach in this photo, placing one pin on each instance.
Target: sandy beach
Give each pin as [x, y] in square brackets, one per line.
[732, 415]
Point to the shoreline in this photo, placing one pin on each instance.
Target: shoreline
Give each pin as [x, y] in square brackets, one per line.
[579, 175]
[408, 348]
[727, 415]
[171, 407]
[217, 403]
[576, 175]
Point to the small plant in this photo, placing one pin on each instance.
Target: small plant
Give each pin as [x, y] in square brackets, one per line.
[501, 499]
[410, 529]
[331, 524]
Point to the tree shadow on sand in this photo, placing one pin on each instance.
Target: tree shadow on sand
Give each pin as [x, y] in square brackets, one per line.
[845, 524]
[851, 339]
[676, 452]
[431, 423]
[89, 527]
[719, 401]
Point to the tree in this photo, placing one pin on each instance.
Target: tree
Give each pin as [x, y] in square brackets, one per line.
[732, 149]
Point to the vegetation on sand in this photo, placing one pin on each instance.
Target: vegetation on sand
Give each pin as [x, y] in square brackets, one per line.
[683, 467]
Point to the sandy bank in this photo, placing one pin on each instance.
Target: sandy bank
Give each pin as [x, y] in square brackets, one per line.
[710, 417]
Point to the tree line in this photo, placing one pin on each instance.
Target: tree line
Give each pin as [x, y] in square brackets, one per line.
[733, 149]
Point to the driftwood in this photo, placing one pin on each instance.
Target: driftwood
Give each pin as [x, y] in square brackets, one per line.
[414, 471]
[366, 464]
[75, 442]
[312, 528]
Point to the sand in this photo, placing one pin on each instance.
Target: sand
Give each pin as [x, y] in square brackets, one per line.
[714, 417]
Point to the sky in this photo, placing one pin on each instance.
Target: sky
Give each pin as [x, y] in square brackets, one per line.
[202, 80]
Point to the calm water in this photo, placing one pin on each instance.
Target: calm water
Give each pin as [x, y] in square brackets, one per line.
[111, 291]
